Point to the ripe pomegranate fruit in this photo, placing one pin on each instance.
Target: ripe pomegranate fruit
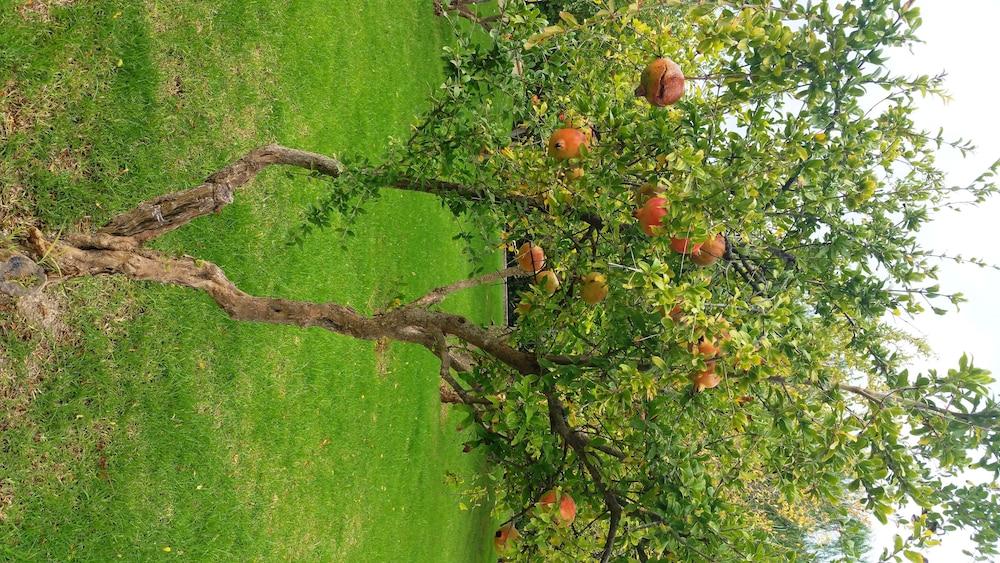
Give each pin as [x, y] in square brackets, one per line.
[684, 246]
[565, 143]
[662, 83]
[710, 251]
[707, 379]
[530, 258]
[567, 506]
[651, 214]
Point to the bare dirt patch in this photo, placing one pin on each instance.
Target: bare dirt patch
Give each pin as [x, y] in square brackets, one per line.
[174, 87]
[42, 313]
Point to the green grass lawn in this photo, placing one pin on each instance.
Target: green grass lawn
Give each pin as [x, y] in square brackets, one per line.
[153, 421]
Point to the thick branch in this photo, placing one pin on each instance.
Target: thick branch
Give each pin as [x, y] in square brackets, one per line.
[610, 450]
[148, 265]
[162, 214]
[165, 213]
[405, 324]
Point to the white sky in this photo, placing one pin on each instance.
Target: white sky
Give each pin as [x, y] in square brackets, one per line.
[961, 38]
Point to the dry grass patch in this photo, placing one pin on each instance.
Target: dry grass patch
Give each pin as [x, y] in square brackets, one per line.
[382, 356]
[41, 9]
[14, 205]
[71, 162]
[6, 497]
[15, 114]
[35, 319]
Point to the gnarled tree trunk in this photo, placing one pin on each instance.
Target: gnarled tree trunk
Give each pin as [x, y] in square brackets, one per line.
[119, 249]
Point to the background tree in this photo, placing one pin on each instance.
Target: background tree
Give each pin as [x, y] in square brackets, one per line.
[791, 156]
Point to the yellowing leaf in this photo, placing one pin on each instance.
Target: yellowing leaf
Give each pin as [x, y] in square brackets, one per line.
[568, 18]
[540, 38]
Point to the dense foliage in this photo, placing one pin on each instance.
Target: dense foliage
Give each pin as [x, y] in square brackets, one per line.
[794, 141]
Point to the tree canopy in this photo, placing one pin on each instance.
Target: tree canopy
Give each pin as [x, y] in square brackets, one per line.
[795, 141]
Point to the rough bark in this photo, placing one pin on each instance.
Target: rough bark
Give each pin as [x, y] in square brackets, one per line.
[416, 325]
[165, 213]
[149, 265]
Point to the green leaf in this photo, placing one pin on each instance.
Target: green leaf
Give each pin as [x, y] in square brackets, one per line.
[701, 10]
